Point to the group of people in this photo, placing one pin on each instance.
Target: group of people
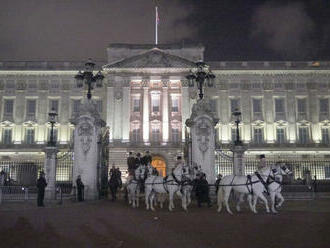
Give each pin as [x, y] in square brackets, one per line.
[133, 162]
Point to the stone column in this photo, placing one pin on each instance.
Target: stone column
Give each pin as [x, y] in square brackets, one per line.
[87, 134]
[146, 115]
[126, 114]
[185, 107]
[165, 114]
[110, 109]
[50, 172]
[202, 123]
[239, 162]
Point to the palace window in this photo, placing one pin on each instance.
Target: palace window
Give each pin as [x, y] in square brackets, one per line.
[53, 104]
[155, 101]
[279, 106]
[31, 108]
[29, 136]
[234, 104]
[325, 136]
[303, 135]
[175, 135]
[9, 107]
[324, 106]
[175, 104]
[75, 106]
[301, 105]
[155, 134]
[280, 135]
[136, 135]
[258, 136]
[7, 136]
[257, 108]
[136, 104]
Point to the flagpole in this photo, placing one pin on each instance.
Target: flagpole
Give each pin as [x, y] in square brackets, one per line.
[156, 26]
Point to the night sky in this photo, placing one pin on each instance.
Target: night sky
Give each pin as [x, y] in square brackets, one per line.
[229, 29]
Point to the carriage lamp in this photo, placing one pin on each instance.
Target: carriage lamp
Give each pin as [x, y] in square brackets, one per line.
[237, 115]
[89, 78]
[199, 74]
[52, 119]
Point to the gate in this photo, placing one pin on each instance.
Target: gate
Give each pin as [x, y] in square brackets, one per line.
[103, 164]
[64, 171]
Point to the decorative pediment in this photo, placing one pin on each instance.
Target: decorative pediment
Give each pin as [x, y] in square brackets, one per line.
[154, 58]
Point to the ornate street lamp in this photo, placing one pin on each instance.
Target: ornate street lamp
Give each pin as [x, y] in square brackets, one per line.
[200, 74]
[237, 114]
[52, 119]
[88, 78]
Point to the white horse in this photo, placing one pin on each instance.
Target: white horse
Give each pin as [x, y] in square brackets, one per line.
[171, 184]
[253, 185]
[274, 186]
[133, 187]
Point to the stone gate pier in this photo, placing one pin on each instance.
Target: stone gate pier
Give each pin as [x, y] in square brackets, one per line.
[201, 123]
[87, 149]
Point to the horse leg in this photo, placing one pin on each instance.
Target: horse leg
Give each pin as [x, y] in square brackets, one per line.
[184, 201]
[255, 199]
[263, 198]
[226, 199]
[272, 202]
[220, 198]
[170, 201]
[152, 197]
[279, 195]
[249, 197]
[147, 193]
[137, 198]
[240, 200]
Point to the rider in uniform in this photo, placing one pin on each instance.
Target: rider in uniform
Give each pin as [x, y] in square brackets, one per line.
[130, 164]
[262, 162]
[147, 158]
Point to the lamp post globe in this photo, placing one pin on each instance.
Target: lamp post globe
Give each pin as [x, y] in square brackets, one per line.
[87, 77]
[199, 74]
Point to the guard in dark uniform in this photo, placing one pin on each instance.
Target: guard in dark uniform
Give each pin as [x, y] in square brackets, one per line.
[130, 164]
[202, 191]
[41, 185]
[80, 188]
[138, 160]
[147, 158]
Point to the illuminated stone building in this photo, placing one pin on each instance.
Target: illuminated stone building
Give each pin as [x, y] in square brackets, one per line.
[145, 100]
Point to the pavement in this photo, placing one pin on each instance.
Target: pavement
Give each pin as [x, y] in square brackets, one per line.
[115, 224]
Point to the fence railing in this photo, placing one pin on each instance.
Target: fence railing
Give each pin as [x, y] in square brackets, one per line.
[302, 167]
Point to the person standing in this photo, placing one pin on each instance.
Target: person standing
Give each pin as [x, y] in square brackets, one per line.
[41, 185]
[202, 191]
[80, 188]
[114, 182]
[262, 162]
[138, 160]
[130, 164]
[147, 158]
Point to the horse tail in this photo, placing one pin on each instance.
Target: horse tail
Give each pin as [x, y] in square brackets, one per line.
[220, 197]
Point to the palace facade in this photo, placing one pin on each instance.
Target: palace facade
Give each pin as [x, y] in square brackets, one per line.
[145, 100]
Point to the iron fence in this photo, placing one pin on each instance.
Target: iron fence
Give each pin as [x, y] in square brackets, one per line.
[303, 167]
[20, 172]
